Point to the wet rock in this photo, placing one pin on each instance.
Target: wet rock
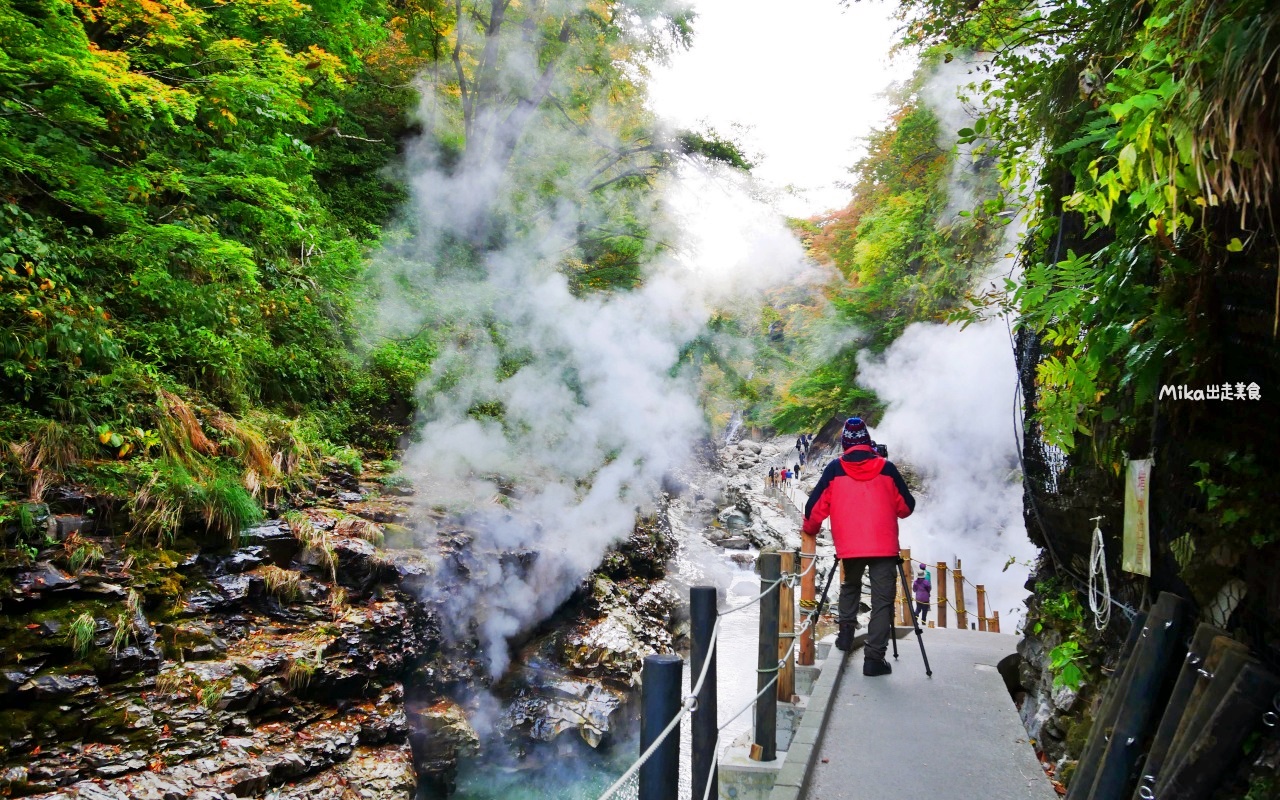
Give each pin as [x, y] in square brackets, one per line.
[381, 773]
[66, 524]
[441, 735]
[358, 563]
[234, 588]
[612, 647]
[44, 578]
[133, 660]
[241, 560]
[55, 686]
[12, 677]
[277, 541]
[349, 497]
[545, 711]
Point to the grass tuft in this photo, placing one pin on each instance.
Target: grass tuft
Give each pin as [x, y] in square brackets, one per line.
[80, 634]
[284, 584]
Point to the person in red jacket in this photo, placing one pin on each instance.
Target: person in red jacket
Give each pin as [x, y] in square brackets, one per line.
[865, 496]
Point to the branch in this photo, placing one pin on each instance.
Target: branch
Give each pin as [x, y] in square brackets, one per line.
[337, 134]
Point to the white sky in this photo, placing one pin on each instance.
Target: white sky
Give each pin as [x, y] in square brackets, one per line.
[802, 78]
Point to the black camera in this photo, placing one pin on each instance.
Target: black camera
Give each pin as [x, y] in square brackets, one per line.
[882, 450]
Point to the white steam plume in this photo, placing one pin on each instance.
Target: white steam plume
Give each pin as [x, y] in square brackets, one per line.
[950, 397]
[592, 415]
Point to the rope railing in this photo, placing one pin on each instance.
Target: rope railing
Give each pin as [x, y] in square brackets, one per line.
[690, 703]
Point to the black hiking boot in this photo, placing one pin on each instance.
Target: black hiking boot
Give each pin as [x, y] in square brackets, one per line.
[876, 666]
[844, 639]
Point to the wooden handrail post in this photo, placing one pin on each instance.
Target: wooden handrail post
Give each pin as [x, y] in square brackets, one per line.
[908, 604]
[962, 619]
[941, 616]
[982, 608]
[786, 630]
[808, 595]
[995, 622]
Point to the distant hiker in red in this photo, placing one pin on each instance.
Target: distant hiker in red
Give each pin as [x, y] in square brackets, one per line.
[865, 496]
[922, 588]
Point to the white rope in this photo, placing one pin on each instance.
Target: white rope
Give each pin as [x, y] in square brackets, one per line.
[662, 737]
[813, 560]
[757, 598]
[691, 700]
[715, 762]
[707, 661]
[1099, 601]
[744, 709]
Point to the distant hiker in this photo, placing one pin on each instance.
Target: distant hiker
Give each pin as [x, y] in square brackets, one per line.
[784, 475]
[797, 470]
[802, 457]
[865, 496]
[773, 477]
[922, 588]
[799, 443]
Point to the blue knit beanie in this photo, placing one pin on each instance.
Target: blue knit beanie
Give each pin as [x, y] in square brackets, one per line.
[855, 433]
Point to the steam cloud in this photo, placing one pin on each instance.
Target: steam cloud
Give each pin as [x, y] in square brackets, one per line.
[592, 415]
[951, 400]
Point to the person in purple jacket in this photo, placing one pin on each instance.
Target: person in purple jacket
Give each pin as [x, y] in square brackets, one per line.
[922, 589]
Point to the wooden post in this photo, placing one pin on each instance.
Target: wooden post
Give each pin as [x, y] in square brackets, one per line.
[786, 630]
[982, 608]
[908, 602]
[808, 595]
[994, 627]
[962, 619]
[941, 583]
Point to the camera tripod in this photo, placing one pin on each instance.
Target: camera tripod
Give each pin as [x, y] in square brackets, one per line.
[906, 595]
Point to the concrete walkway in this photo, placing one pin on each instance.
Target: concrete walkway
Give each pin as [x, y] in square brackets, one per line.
[955, 735]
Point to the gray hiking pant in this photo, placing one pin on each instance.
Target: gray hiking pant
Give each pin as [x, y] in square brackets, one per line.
[884, 576]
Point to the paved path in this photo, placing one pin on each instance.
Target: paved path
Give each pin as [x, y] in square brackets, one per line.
[904, 736]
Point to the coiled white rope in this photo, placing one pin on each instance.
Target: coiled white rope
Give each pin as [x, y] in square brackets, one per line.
[1099, 600]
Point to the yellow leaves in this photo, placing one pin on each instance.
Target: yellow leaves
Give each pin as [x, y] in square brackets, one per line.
[35, 313]
[104, 437]
[46, 285]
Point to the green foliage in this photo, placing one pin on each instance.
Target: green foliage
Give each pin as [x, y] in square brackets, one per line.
[1059, 604]
[1142, 124]
[904, 255]
[1237, 503]
[1063, 662]
[714, 147]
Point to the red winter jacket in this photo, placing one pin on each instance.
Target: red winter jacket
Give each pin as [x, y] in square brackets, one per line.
[865, 496]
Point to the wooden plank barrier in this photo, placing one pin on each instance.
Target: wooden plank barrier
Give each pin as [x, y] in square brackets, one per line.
[1177, 705]
[1152, 657]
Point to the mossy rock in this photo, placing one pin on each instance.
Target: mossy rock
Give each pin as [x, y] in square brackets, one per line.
[15, 725]
[1077, 736]
[1064, 775]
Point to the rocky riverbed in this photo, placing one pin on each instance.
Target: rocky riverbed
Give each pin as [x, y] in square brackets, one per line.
[303, 661]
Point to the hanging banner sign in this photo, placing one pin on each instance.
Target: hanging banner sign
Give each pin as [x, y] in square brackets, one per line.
[1137, 538]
